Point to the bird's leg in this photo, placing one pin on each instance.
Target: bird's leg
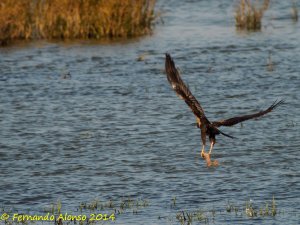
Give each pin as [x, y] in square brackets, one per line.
[211, 147]
[212, 140]
[202, 151]
[203, 137]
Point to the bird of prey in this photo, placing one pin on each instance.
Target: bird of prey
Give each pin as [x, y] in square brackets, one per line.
[210, 129]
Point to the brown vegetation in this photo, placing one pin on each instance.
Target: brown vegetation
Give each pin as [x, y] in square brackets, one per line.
[72, 19]
[248, 15]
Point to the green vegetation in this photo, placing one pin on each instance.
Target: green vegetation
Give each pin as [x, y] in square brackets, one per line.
[248, 15]
[232, 208]
[114, 209]
[185, 217]
[56, 208]
[119, 207]
[173, 201]
[74, 19]
[267, 210]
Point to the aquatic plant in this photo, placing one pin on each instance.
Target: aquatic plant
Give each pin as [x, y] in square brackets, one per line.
[270, 65]
[267, 210]
[93, 205]
[173, 201]
[186, 217]
[74, 19]
[231, 208]
[119, 207]
[248, 16]
[250, 210]
[294, 12]
[54, 208]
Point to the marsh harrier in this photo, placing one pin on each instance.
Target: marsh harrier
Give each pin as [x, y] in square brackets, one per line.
[210, 129]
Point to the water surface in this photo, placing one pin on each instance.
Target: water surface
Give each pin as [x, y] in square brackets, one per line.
[117, 129]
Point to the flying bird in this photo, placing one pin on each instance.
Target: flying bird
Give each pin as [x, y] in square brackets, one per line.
[207, 128]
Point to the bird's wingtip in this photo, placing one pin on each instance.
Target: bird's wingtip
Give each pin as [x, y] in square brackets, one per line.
[168, 55]
[277, 103]
[168, 58]
[281, 101]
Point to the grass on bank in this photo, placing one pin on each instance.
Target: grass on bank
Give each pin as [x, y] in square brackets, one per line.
[248, 15]
[74, 19]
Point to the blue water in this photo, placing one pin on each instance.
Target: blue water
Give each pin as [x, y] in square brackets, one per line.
[116, 128]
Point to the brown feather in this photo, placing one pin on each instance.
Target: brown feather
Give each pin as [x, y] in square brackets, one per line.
[238, 119]
[182, 90]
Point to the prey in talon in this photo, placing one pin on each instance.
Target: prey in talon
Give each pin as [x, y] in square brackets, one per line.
[207, 128]
[209, 163]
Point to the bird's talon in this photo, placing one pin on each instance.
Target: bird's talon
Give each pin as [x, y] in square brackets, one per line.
[202, 154]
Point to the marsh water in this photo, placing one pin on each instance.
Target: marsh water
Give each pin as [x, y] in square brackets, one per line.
[115, 129]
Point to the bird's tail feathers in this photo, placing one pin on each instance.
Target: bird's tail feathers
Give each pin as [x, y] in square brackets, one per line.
[227, 135]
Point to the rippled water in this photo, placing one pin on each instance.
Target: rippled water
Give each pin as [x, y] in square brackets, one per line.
[117, 129]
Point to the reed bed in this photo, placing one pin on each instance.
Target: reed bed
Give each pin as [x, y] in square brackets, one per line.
[14, 20]
[248, 15]
[74, 19]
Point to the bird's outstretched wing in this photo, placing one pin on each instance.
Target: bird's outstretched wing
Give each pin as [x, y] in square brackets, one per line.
[182, 90]
[238, 119]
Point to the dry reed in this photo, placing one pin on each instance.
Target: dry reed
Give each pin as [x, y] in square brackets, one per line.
[74, 19]
[248, 15]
